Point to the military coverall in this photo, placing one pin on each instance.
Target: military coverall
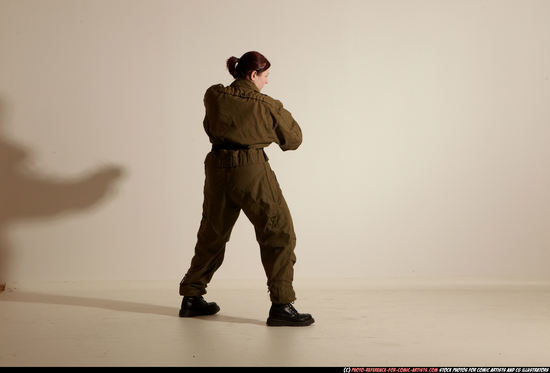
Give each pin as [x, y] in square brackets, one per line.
[240, 121]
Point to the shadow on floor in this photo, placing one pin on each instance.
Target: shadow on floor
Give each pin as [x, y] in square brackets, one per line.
[114, 305]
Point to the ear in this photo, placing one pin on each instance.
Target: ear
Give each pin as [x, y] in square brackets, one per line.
[253, 74]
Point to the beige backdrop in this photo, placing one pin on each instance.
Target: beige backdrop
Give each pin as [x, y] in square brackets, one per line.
[426, 125]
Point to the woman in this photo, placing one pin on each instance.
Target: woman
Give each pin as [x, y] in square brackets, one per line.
[240, 121]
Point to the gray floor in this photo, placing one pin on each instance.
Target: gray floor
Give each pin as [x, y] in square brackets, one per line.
[136, 324]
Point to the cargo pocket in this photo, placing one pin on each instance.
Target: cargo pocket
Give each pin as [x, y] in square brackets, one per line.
[273, 184]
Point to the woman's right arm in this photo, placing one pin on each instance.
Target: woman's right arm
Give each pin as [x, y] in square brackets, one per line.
[287, 130]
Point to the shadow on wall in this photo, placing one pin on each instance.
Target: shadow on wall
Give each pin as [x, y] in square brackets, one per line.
[24, 195]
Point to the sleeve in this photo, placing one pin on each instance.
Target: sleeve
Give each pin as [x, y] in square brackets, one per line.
[287, 130]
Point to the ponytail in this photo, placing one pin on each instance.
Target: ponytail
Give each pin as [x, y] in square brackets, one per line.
[232, 66]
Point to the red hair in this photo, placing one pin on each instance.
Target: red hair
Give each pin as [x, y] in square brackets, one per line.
[250, 61]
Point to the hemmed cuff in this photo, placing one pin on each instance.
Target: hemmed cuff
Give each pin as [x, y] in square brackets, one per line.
[191, 291]
[281, 293]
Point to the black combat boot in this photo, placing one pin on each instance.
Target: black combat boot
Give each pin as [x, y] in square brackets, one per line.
[286, 315]
[197, 306]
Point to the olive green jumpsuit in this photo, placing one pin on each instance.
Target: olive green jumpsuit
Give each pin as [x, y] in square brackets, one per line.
[240, 121]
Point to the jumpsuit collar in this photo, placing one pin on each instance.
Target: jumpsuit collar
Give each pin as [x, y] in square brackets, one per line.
[244, 84]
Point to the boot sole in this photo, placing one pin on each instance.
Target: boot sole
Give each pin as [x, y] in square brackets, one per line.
[193, 313]
[278, 322]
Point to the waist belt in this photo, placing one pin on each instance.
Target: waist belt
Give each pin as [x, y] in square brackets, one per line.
[228, 147]
[234, 158]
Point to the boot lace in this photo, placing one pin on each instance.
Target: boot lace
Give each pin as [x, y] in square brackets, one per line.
[292, 309]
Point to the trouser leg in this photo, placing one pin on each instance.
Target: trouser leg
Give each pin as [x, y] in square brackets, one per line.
[275, 234]
[218, 218]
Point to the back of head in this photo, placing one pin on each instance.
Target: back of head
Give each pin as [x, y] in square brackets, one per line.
[250, 61]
